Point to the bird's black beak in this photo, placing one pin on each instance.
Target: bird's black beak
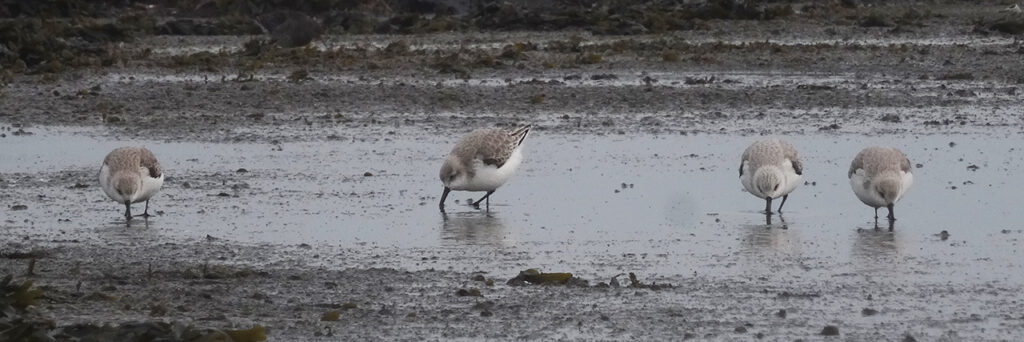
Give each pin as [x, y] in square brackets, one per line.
[444, 195]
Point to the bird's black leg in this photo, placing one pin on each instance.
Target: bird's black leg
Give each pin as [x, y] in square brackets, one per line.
[891, 216]
[876, 214]
[768, 205]
[784, 197]
[128, 210]
[145, 213]
[488, 195]
[443, 197]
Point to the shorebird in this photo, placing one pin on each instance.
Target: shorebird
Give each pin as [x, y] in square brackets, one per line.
[880, 176]
[482, 161]
[131, 175]
[770, 169]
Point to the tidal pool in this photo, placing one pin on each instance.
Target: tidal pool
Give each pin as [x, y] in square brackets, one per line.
[596, 205]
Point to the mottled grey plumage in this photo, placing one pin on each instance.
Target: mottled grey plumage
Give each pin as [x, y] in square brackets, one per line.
[493, 146]
[875, 160]
[130, 175]
[482, 161]
[770, 152]
[129, 159]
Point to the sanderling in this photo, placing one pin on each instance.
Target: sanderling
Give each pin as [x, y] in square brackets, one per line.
[131, 175]
[880, 176]
[770, 169]
[482, 161]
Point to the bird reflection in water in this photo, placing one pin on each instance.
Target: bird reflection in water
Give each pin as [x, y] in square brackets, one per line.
[876, 247]
[474, 228]
[768, 222]
[772, 236]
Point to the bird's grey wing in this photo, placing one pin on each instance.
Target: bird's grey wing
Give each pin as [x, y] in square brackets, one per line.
[148, 161]
[495, 147]
[858, 163]
[790, 153]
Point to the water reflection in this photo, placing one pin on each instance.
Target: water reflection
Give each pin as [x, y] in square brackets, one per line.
[877, 246]
[474, 228]
[136, 229]
[774, 235]
[782, 221]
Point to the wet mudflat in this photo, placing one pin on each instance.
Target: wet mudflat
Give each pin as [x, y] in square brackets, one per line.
[304, 221]
[292, 195]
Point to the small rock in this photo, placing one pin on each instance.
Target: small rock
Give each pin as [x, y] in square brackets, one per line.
[486, 313]
[241, 170]
[367, 174]
[891, 118]
[943, 235]
[468, 293]
[973, 167]
[740, 329]
[830, 330]
[831, 127]
[330, 316]
[908, 338]
[868, 312]
[781, 313]
[17, 207]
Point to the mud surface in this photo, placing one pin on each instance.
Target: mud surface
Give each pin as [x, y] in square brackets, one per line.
[294, 194]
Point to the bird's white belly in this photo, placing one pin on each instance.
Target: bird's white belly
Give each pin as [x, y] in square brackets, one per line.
[865, 193]
[150, 186]
[871, 197]
[747, 179]
[107, 186]
[488, 177]
[907, 179]
[792, 179]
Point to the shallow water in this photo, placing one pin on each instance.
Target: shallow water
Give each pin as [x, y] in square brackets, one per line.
[669, 205]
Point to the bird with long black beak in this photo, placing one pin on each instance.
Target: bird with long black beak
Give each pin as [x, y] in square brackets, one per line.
[483, 160]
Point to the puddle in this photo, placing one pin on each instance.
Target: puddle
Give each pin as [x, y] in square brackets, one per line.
[669, 205]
